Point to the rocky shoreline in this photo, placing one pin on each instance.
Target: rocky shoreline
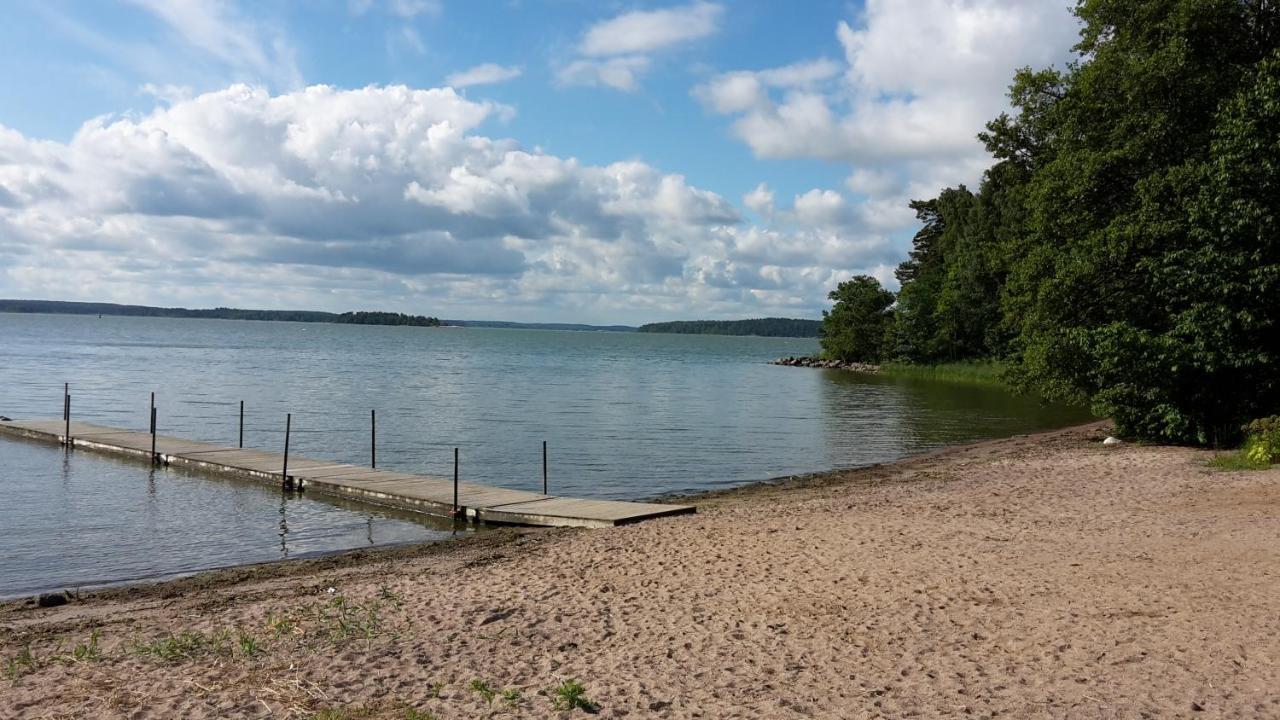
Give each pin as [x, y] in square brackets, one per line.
[816, 362]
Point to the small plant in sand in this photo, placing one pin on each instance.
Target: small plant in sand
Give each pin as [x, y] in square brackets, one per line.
[511, 697]
[340, 620]
[24, 662]
[412, 714]
[248, 644]
[571, 695]
[280, 626]
[88, 651]
[386, 594]
[483, 689]
[176, 648]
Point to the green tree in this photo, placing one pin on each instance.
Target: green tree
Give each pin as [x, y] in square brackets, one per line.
[1145, 280]
[854, 329]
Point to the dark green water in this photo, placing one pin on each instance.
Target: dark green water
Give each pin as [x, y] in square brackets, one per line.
[625, 415]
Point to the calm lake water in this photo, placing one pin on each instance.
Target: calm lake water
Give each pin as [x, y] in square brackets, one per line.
[625, 415]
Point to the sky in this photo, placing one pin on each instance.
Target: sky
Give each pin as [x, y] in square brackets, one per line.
[529, 160]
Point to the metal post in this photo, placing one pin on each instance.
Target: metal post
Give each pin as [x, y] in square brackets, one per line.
[66, 390]
[242, 424]
[155, 459]
[288, 426]
[153, 413]
[373, 439]
[66, 416]
[455, 483]
[544, 467]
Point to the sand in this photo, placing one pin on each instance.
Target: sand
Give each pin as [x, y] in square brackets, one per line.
[1035, 577]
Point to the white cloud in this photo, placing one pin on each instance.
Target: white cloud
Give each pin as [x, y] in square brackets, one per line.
[486, 74]
[616, 52]
[409, 9]
[390, 197]
[760, 200]
[644, 31]
[620, 73]
[215, 29]
[918, 82]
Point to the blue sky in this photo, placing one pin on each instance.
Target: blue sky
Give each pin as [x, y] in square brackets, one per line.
[556, 160]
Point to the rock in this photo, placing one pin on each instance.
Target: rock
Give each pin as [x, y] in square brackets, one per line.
[51, 600]
[1112, 441]
[1197, 707]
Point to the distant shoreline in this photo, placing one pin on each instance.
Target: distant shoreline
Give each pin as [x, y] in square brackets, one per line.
[61, 307]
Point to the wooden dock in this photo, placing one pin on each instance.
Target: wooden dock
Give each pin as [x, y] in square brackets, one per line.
[419, 493]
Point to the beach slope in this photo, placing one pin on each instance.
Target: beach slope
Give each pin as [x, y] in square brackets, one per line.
[1038, 576]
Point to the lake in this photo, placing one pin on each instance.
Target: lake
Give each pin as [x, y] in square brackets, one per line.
[625, 416]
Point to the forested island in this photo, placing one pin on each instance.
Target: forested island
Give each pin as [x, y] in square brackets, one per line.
[222, 313]
[763, 327]
[1123, 251]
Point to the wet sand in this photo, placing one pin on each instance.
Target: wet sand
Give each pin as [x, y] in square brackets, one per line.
[1038, 576]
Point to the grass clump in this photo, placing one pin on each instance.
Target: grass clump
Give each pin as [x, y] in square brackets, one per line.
[20, 664]
[483, 689]
[180, 647]
[975, 371]
[88, 651]
[571, 695]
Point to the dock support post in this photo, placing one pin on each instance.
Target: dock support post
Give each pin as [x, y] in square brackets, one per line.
[373, 439]
[66, 392]
[66, 418]
[544, 467]
[284, 472]
[456, 510]
[155, 459]
[241, 425]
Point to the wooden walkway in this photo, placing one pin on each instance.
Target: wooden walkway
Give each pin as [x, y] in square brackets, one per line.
[431, 495]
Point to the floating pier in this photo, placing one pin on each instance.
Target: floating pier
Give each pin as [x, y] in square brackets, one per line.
[419, 493]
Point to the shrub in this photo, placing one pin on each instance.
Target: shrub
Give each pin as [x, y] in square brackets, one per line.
[1262, 440]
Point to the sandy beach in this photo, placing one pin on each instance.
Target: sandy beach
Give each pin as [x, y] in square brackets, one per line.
[1038, 576]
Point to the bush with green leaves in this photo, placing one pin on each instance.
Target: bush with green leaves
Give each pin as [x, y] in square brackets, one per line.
[1262, 440]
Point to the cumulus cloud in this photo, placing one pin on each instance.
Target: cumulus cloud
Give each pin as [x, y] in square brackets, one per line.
[616, 52]
[485, 74]
[760, 200]
[918, 82]
[391, 197]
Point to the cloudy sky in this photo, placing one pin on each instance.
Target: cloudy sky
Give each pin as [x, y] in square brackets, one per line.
[567, 160]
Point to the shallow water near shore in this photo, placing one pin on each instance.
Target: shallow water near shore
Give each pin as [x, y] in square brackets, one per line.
[625, 415]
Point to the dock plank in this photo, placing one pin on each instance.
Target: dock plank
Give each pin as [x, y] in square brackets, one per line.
[422, 493]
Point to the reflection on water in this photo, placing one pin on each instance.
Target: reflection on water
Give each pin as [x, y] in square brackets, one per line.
[625, 415]
[103, 520]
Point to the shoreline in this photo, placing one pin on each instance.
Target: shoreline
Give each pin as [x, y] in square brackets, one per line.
[1039, 575]
[502, 534]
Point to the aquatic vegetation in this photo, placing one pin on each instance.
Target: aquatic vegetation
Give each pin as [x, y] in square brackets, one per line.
[980, 371]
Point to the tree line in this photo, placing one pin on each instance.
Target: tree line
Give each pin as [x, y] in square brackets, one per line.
[764, 327]
[221, 313]
[1123, 250]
